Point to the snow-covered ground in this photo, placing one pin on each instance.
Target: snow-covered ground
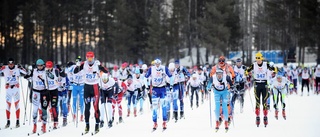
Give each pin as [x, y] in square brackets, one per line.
[302, 121]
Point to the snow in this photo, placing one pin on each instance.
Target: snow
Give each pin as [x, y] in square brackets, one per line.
[302, 120]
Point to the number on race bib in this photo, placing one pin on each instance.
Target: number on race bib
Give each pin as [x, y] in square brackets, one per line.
[260, 75]
[90, 76]
[51, 82]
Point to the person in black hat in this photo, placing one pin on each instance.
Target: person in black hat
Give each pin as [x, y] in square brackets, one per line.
[12, 75]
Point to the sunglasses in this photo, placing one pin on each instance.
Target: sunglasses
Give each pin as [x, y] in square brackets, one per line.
[258, 58]
[221, 60]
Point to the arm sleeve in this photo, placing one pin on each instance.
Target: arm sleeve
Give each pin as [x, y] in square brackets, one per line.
[30, 75]
[209, 84]
[186, 71]
[103, 69]
[249, 69]
[272, 68]
[229, 80]
[77, 68]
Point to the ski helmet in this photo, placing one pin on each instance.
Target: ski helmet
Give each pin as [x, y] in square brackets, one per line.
[40, 62]
[259, 56]
[90, 56]
[49, 64]
[10, 61]
[144, 67]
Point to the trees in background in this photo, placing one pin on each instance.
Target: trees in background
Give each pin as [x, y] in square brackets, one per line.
[132, 30]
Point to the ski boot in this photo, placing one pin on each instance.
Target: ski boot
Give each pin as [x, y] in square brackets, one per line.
[44, 128]
[155, 125]
[34, 130]
[86, 130]
[265, 121]
[164, 125]
[17, 124]
[181, 114]
[120, 120]
[135, 112]
[110, 124]
[64, 122]
[284, 114]
[141, 111]
[8, 124]
[276, 114]
[81, 118]
[55, 125]
[217, 125]
[96, 129]
[101, 123]
[257, 121]
[175, 116]
[226, 125]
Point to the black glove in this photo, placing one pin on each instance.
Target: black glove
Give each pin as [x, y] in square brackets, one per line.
[30, 97]
[178, 70]
[19, 66]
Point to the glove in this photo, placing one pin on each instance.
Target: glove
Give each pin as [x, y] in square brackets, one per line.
[78, 63]
[291, 86]
[178, 70]
[97, 62]
[19, 66]
[30, 67]
[3, 67]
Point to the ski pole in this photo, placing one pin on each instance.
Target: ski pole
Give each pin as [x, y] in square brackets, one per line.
[251, 100]
[25, 103]
[210, 109]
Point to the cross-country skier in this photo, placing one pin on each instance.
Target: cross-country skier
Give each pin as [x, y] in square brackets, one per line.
[195, 85]
[40, 94]
[141, 88]
[184, 75]
[133, 87]
[12, 74]
[52, 78]
[91, 68]
[108, 87]
[239, 80]
[260, 70]
[62, 99]
[305, 75]
[158, 75]
[317, 75]
[77, 91]
[220, 83]
[279, 89]
[295, 74]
